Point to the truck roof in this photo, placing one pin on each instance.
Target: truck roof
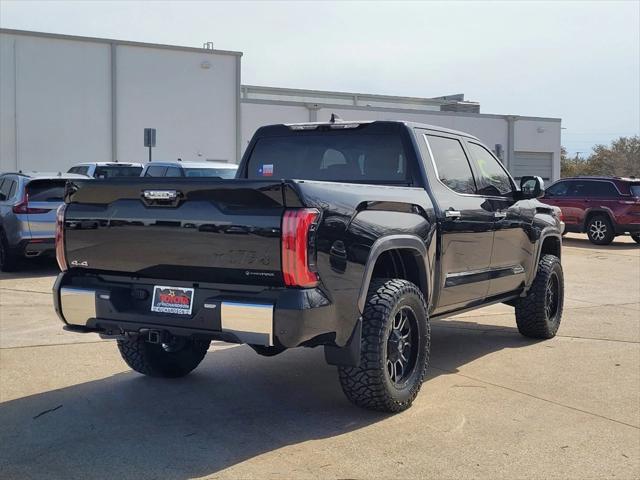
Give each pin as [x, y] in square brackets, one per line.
[426, 126]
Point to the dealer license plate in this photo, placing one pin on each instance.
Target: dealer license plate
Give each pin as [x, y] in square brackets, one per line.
[177, 300]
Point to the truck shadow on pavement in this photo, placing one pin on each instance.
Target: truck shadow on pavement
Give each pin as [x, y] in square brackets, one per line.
[236, 406]
[616, 245]
[33, 268]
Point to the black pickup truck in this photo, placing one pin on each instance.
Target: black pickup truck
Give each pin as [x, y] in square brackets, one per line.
[349, 235]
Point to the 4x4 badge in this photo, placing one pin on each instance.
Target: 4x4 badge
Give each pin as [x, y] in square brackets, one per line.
[76, 263]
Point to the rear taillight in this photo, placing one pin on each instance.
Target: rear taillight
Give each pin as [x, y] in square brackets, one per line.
[60, 254]
[23, 206]
[298, 247]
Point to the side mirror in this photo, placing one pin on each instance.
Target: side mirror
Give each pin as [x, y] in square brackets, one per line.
[2, 197]
[531, 187]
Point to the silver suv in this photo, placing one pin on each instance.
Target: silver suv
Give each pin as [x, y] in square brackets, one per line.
[28, 204]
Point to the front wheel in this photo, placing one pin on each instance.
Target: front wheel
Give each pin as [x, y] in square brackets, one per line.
[168, 360]
[538, 314]
[394, 350]
[636, 237]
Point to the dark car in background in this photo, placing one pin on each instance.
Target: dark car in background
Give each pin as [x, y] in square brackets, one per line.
[601, 207]
[107, 169]
[28, 204]
[190, 169]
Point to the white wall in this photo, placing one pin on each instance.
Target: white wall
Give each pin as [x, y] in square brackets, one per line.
[539, 135]
[192, 108]
[62, 89]
[62, 95]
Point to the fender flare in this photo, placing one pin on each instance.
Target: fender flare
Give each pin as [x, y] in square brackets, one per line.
[598, 211]
[538, 253]
[393, 242]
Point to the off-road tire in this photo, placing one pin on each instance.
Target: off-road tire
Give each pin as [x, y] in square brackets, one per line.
[8, 260]
[535, 316]
[154, 360]
[599, 230]
[369, 385]
[636, 237]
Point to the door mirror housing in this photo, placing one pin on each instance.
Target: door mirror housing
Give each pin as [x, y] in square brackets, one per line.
[531, 187]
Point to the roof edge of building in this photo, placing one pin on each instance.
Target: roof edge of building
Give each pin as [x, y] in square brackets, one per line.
[60, 36]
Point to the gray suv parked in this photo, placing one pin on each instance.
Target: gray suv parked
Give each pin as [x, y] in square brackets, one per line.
[28, 204]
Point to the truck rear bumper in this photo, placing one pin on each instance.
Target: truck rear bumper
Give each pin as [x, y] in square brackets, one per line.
[268, 317]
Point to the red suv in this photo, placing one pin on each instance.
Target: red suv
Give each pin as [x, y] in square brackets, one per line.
[601, 207]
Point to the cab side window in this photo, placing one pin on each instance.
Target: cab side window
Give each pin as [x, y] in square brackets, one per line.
[173, 172]
[494, 179]
[155, 171]
[451, 163]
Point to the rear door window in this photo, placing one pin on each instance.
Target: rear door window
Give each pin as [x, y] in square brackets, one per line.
[635, 189]
[452, 165]
[596, 189]
[335, 155]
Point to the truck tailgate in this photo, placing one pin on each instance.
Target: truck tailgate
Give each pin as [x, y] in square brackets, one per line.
[199, 230]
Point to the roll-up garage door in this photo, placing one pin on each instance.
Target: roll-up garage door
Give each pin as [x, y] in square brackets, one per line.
[532, 163]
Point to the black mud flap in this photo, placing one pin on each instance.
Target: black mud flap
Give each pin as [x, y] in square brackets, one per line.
[349, 355]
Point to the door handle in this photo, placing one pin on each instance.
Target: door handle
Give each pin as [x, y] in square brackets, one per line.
[453, 214]
[500, 214]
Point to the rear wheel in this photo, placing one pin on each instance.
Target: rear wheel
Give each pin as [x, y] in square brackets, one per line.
[394, 351]
[599, 230]
[538, 314]
[8, 260]
[636, 237]
[169, 360]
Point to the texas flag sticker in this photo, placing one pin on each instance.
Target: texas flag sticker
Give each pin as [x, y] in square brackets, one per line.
[266, 170]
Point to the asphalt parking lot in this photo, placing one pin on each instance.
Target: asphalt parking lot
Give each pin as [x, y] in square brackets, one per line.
[495, 405]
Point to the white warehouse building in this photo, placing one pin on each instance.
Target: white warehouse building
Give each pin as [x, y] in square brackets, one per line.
[66, 100]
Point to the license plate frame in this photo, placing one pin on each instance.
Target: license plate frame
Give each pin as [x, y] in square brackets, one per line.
[172, 300]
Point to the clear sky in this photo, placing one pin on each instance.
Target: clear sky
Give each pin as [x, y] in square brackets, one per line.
[576, 60]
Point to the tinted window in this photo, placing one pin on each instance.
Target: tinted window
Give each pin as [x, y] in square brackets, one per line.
[601, 189]
[46, 190]
[635, 189]
[110, 172]
[559, 189]
[452, 164]
[493, 177]
[592, 189]
[155, 171]
[348, 156]
[173, 172]
[12, 190]
[210, 172]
